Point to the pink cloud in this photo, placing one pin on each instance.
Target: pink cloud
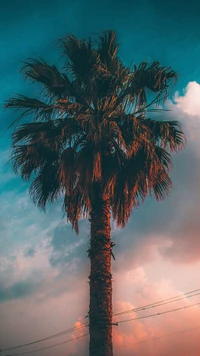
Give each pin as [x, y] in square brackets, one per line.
[128, 338]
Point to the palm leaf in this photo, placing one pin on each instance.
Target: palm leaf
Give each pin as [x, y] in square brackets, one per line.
[154, 78]
[55, 83]
[168, 133]
[66, 171]
[76, 206]
[162, 186]
[107, 49]
[30, 106]
[46, 186]
[81, 57]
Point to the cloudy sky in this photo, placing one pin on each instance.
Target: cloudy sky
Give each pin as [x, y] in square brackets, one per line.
[43, 264]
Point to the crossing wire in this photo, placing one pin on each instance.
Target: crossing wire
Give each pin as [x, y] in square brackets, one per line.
[157, 314]
[49, 347]
[46, 338]
[145, 307]
[160, 303]
[122, 321]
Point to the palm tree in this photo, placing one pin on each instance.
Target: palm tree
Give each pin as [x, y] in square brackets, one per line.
[91, 142]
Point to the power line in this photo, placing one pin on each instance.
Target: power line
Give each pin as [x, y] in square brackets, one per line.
[147, 316]
[137, 342]
[160, 337]
[159, 303]
[46, 338]
[49, 347]
[156, 338]
[145, 307]
[157, 314]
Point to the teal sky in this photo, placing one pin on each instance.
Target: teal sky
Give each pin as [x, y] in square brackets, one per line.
[148, 30]
[43, 265]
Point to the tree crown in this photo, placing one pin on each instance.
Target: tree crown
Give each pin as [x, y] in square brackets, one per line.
[90, 127]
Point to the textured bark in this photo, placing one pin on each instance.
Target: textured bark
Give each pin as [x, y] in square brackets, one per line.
[100, 313]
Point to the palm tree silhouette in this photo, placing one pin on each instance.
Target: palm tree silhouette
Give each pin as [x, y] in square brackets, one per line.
[91, 142]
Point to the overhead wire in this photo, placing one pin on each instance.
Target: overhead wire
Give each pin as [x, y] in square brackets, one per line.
[141, 308]
[161, 302]
[64, 332]
[122, 321]
[160, 337]
[49, 347]
[136, 342]
[157, 314]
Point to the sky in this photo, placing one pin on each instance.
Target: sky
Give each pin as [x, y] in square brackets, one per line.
[44, 266]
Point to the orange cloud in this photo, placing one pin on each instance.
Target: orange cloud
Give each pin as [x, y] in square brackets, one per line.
[129, 337]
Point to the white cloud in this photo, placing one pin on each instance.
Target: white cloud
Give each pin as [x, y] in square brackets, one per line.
[189, 103]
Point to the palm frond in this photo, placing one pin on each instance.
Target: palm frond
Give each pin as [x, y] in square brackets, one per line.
[162, 186]
[46, 186]
[28, 158]
[163, 157]
[107, 49]
[66, 171]
[81, 56]
[167, 133]
[76, 206]
[84, 167]
[55, 83]
[154, 78]
[32, 131]
[30, 106]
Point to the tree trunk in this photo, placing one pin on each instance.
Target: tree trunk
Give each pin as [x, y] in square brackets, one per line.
[100, 313]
